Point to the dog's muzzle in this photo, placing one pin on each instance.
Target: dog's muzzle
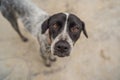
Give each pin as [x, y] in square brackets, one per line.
[62, 48]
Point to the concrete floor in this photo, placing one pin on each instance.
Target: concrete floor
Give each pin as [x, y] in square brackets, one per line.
[95, 58]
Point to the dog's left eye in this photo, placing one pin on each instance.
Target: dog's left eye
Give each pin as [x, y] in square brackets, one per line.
[74, 29]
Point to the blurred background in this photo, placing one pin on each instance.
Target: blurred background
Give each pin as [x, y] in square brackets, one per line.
[95, 58]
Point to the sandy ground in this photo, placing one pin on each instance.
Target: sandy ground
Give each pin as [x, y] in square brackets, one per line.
[95, 58]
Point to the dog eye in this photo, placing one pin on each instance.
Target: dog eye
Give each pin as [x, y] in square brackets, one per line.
[55, 26]
[74, 29]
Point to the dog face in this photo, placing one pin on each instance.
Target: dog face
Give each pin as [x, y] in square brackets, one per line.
[64, 31]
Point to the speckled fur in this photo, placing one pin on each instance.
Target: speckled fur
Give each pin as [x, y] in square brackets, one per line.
[32, 18]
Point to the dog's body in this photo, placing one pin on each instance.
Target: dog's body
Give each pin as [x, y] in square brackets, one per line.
[56, 34]
[31, 16]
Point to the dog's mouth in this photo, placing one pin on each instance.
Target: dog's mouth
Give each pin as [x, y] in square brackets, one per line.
[61, 54]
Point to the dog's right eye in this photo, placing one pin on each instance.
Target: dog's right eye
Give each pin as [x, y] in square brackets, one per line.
[55, 26]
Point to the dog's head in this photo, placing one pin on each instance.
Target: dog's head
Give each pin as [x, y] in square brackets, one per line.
[64, 31]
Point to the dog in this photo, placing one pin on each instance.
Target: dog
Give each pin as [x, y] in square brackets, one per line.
[56, 34]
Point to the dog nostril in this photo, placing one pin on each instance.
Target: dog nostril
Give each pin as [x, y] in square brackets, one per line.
[65, 48]
[58, 47]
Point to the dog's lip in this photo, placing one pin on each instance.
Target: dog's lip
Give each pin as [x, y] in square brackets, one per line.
[61, 55]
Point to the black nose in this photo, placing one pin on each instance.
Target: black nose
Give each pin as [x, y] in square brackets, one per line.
[62, 46]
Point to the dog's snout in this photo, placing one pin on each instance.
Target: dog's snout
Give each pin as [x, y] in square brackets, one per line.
[62, 48]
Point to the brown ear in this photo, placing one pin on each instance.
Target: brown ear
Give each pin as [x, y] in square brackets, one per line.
[45, 26]
[84, 30]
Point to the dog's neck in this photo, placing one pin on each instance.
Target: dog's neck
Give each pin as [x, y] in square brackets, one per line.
[48, 37]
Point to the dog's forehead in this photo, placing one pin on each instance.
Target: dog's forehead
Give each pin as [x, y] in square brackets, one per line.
[64, 16]
[73, 18]
[58, 16]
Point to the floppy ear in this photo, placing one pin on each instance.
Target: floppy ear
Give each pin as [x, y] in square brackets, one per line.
[84, 30]
[45, 26]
